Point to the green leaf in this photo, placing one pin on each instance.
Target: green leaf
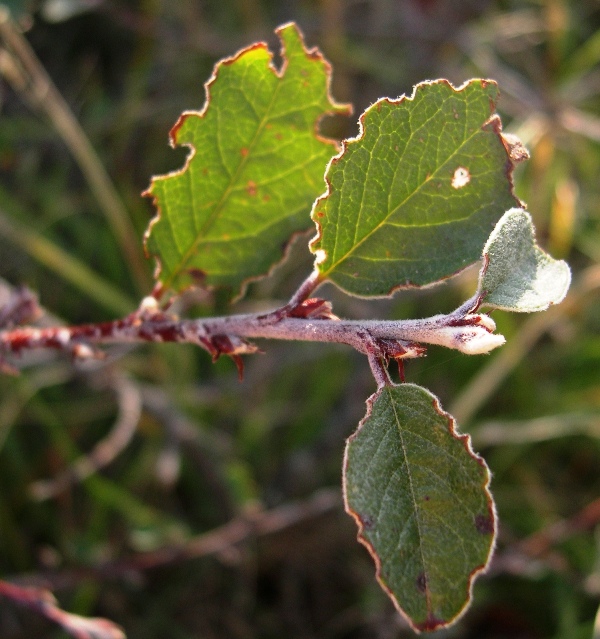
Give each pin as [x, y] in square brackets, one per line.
[413, 199]
[419, 495]
[255, 169]
[517, 275]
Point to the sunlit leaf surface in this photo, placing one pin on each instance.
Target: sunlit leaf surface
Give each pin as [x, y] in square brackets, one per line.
[256, 166]
[413, 199]
[420, 497]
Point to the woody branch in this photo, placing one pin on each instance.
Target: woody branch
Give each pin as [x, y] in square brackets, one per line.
[301, 319]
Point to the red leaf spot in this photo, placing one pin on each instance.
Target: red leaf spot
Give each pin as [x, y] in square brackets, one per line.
[427, 498]
[279, 136]
[251, 188]
[204, 171]
[422, 582]
[484, 524]
[366, 521]
[320, 214]
[244, 151]
[197, 274]
[266, 198]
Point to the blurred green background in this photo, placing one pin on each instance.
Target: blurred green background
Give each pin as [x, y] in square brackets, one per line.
[185, 449]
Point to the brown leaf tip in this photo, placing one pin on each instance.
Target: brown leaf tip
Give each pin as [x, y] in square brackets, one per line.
[515, 148]
[431, 623]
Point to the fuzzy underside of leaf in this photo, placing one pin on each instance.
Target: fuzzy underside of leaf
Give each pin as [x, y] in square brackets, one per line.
[413, 198]
[420, 497]
[256, 166]
[517, 274]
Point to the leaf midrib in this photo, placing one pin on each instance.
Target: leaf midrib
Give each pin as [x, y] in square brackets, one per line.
[200, 235]
[412, 496]
[400, 205]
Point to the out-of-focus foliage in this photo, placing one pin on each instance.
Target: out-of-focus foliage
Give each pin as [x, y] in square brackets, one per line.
[208, 450]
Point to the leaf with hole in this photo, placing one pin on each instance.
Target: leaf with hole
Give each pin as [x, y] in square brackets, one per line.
[420, 497]
[255, 168]
[414, 197]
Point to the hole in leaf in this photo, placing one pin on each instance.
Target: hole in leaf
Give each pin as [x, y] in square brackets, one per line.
[461, 177]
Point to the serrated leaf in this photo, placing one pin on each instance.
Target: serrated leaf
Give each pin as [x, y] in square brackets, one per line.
[517, 274]
[255, 169]
[420, 497]
[413, 199]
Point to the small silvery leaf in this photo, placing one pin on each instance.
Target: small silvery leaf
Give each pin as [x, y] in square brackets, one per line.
[516, 274]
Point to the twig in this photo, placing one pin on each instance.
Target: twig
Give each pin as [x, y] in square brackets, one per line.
[43, 602]
[379, 371]
[536, 552]
[484, 384]
[130, 408]
[203, 448]
[310, 321]
[215, 542]
[540, 542]
[495, 433]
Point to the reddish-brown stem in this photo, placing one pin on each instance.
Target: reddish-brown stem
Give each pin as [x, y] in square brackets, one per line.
[310, 284]
[379, 370]
[387, 339]
[42, 601]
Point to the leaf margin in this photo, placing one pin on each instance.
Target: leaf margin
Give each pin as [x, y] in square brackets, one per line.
[465, 439]
[542, 259]
[341, 108]
[513, 157]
